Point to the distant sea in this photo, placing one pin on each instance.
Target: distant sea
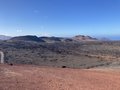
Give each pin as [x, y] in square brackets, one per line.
[117, 38]
[114, 37]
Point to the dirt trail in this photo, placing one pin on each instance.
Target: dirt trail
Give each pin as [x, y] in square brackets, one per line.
[44, 78]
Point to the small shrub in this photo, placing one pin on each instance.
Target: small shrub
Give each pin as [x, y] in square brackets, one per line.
[64, 67]
[11, 64]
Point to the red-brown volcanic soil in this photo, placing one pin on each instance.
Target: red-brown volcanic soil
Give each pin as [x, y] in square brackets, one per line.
[21, 77]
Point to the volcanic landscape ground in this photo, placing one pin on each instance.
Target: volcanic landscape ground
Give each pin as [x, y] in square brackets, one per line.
[32, 65]
[26, 77]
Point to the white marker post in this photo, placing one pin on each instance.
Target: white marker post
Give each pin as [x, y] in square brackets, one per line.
[2, 57]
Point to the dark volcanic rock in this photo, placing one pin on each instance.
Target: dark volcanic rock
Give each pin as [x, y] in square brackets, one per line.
[51, 39]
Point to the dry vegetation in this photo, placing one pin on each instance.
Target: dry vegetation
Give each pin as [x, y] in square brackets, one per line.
[70, 54]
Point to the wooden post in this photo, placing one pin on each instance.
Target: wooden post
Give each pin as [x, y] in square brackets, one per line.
[2, 57]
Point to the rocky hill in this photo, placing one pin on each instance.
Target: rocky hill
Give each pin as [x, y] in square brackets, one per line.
[83, 38]
[27, 38]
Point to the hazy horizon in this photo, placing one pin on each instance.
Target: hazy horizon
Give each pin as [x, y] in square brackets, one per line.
[100, 37]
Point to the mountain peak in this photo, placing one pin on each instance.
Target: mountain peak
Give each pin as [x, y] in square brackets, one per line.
[83, 38]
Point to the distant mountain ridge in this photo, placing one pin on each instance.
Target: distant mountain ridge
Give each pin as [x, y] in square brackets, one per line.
[3, 37]
[53, 39]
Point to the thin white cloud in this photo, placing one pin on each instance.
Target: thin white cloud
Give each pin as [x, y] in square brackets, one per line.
[19, 30]
[45, 34]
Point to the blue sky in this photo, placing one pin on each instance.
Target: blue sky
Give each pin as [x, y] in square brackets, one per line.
[60, 17]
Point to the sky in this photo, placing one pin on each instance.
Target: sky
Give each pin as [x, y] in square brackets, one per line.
[60, 17]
